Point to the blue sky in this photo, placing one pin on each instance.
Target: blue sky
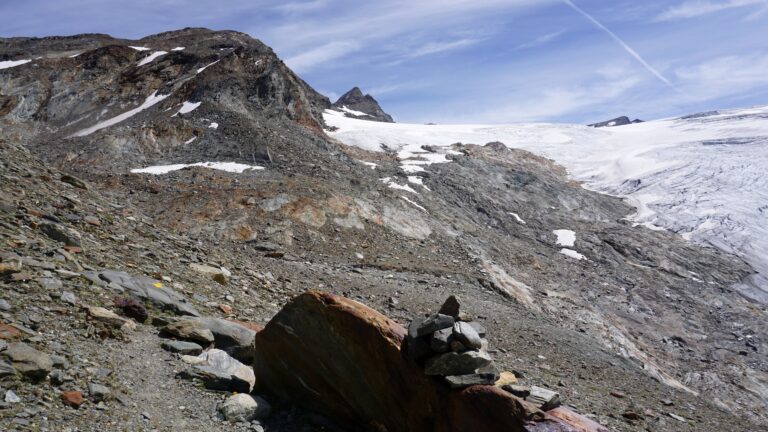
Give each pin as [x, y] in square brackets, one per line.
[488, 61]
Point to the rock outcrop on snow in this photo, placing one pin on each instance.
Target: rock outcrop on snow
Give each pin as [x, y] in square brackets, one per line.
[355, 104]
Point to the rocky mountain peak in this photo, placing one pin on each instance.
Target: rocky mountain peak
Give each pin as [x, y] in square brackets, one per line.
[618, 121]
[355, 104]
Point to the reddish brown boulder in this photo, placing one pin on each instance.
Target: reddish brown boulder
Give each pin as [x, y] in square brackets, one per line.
[341, 358]
[8, 332]
[72, 398]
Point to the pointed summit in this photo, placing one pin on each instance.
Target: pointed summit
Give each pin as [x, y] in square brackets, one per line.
[357, 105]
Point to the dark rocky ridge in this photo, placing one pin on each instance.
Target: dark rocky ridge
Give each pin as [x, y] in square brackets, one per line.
[357, 101]
[646, 308]
[618, 121]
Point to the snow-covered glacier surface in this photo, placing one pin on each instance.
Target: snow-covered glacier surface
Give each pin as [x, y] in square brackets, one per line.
[704, 176]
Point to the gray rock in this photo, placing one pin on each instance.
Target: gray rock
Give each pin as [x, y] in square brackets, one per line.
[416, 347]
[58, 377]
[11, 397]
[478, 328]
[219, 371]
[28, 361]
[5, 306]
[461, 381]
[61, 233]
[543, 398]
[231, 337]
[451, 307]
[433, 324]
[6, 369]
[190, 329]
[69, 297]
[98, 392]
[74, 181]
[441, 340]
[3, 345]
[466, 334]
[182, 347]
[453, 363]
[244, 408]
[50, 284]
[144, 288]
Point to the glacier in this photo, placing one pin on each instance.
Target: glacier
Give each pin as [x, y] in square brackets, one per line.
[703, 176]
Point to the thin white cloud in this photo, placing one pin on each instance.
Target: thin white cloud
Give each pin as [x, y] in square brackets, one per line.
[725, 76]
[313, 58]
[697, 8]
[623, 44]
[541, 40]
[438, 47]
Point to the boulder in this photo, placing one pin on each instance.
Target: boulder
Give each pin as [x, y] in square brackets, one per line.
[441, 340]
[232, 337]
[433, 324]
[145, 289]
[544, 399]
[60, 233]
[342, 359]
[28, 361]
[244, 408]
[72, 398]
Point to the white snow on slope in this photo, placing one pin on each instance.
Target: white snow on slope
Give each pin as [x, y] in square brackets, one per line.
[572, 254]
[393, 185]
[151, 100]
[353, 112]
[213, 125]
[232, 167]
[518, 218]
[178, 49]
[565, 237]
[151, 57]
[138, 48]
[187, 107]
[13, 63]
[207, 66]
[702, 176]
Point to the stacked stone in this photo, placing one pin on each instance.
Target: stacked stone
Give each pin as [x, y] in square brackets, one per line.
[451, 346]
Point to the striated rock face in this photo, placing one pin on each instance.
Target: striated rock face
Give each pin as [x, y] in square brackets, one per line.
[342, 359]
[365, 106]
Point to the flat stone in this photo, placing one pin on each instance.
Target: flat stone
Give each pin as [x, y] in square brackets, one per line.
[110, 318]
[451, 307]
[506, 378]
[190, 329]
[517, 390]
[219, 371]
[28, 361]
[61, 233]
[466, 334]
[245, 408]
[461, 381]
[144, 288]
[433, 324]
[543, 398]
[182, 347]
[6, 369]
[441, 339]
[8, 332]
[72, 398]
[453, 363]
[50, 284]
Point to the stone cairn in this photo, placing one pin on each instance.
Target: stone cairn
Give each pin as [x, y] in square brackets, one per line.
[451, 346]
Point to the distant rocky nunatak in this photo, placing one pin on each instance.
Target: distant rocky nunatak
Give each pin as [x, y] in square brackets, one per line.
[364, 107]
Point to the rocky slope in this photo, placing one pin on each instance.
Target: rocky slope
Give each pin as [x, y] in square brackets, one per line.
[627, 335]
[618, 121]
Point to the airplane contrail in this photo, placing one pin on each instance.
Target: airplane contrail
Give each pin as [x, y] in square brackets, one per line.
[623, 44]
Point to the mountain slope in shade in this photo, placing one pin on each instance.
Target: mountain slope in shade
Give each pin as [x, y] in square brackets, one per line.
[355, 104]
